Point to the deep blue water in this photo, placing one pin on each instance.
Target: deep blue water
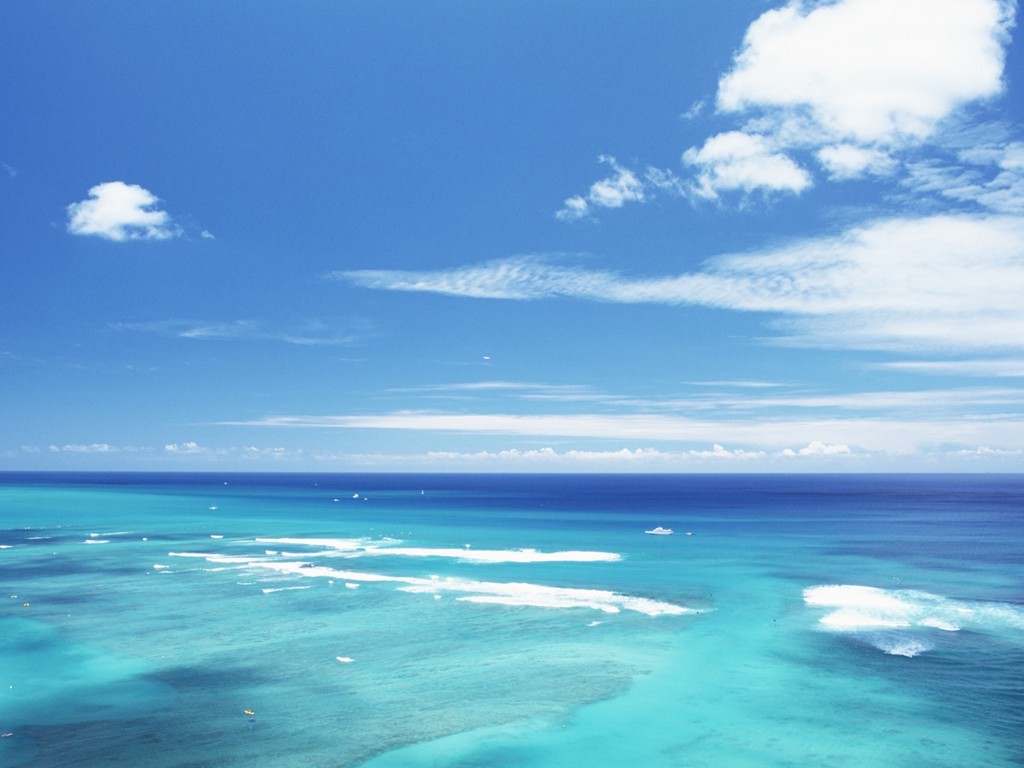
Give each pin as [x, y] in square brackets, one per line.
[523, 620]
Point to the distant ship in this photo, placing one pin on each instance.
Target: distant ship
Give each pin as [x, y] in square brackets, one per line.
[659, 531]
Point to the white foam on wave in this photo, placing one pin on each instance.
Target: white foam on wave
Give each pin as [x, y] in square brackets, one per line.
[505, 593]
[337, 545]
[498, 555]
[908, 647]
[271, 590]
[214, 557]
[385, 547]
[894, 620]
[96, 541]
[946, 626]
[540, 596]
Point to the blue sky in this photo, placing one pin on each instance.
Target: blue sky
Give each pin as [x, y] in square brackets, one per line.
[523, 236]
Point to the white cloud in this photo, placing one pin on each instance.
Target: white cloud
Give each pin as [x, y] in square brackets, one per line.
[551, 456]
[847, 161]
[695, 110]
[741, 383]
[721, 452]
[189, 447]
[985, 451]
[118, 211]
[850, 83]
[741, 161]
[856, 81]
[573, 208]
[818, 448]
[941, 283]
[612, 192]
[90, 448]
[871, 72]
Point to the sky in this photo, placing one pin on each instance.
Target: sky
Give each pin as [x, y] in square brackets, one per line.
[528, 236]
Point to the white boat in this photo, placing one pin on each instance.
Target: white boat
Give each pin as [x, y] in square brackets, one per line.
[659, 531]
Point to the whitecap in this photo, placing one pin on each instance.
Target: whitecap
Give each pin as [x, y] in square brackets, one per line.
[271, 590]
[905, 614]
[385, 547]
[506, 593]
[497, 555]
[908, 647]
[947, 626]
[339, 545]
[541, 596]
[96, 541]
[344, 659]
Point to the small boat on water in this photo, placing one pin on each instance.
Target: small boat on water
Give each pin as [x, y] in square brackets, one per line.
[659, 531]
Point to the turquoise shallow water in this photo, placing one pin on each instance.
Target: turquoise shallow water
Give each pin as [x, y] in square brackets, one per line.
[511, 621]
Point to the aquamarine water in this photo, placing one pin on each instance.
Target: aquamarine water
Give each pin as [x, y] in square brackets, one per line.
[439, 620]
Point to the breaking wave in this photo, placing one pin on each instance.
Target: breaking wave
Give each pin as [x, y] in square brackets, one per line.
[906, 622]
[463, 589]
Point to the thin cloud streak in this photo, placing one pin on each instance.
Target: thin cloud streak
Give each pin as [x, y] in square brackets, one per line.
[237, 330]
[874, 401]
[996, 368]
[899, 436]
[933, 283]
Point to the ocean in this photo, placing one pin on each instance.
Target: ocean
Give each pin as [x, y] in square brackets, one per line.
[406, 621]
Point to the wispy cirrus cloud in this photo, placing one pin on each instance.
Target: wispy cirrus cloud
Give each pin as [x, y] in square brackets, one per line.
[738, 397]
[947, 283]
[998, 368]
[987, 175]
[118, 211]
[314, 334]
